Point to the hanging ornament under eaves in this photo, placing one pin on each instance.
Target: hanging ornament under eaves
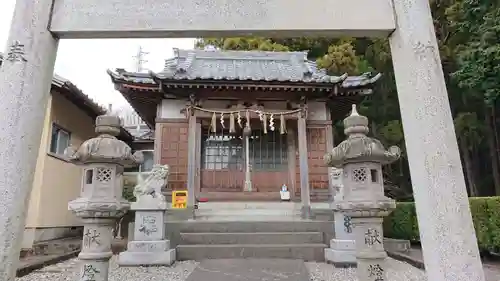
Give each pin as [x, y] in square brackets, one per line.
[232, 129]
[213, 124]
[264, 123]
[282, 124]
[239, 120]
[247, 117]
[261, 115]
[222, 120]
[267, 119]
[271, 122]
[247, 131]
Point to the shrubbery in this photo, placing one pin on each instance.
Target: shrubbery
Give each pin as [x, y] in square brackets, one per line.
[128, 188]
[402, 222]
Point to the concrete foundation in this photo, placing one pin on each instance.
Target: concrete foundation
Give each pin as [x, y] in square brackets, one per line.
[341, 253]
[131, 258]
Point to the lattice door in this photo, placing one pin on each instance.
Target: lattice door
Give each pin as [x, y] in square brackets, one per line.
[222, 161]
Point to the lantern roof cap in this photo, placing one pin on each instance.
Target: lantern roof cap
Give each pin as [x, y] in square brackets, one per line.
[358, 147]
[105, 148]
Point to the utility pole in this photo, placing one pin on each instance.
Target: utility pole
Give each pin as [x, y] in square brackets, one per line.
[139, 59]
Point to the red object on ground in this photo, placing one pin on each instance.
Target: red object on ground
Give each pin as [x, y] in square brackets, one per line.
[202, 199]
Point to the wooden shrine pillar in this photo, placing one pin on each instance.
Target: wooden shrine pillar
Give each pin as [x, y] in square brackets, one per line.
[329, 147]
[305, 197]
[192, 165]
[157, 136]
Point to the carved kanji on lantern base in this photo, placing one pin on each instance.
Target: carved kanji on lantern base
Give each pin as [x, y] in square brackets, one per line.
[361, 159]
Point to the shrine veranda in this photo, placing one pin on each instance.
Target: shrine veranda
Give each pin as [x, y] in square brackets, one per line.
[447, 234]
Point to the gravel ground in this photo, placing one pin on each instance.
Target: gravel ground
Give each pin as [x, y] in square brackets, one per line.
[396, 271]
[68, 271]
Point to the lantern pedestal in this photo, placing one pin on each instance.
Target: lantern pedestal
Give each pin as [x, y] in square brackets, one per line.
[342, 251]
[367, 218]
[150, 247]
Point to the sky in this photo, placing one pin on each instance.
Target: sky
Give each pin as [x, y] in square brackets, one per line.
[85, 61]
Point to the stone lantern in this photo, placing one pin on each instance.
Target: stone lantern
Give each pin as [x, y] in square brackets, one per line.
[361, 159]
[100, 203]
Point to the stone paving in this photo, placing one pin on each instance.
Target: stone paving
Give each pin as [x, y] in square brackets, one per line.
[491, 268]
[225, 270]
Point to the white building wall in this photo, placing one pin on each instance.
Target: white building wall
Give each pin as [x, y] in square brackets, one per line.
[171, 109]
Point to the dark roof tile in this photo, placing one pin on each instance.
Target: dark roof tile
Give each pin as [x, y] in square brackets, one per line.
[245, 65]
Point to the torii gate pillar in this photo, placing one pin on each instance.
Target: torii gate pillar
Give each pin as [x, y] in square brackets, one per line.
[442, 206]
[446, 228]
[25, 80]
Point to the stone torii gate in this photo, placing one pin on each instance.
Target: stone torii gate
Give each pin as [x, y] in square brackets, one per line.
[446, 229]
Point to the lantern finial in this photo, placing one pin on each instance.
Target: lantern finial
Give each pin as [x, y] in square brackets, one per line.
[354, 112]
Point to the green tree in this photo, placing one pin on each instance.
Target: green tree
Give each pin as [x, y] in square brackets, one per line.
[340, 59]
[242, 44]
[477, 39]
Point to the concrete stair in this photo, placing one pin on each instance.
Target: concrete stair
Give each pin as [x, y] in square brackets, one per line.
[307, 252]
[257, 238]
[248, 211]
[252, 239]
[251, 230]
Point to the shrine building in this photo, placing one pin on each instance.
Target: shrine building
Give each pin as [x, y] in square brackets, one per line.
[238, 125]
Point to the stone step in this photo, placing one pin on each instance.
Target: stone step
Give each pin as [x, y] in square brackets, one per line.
[306, 252]
[249, 206]
[249, 218]
[247, 212]
[252, 238]
[250, 227]
[53, 247]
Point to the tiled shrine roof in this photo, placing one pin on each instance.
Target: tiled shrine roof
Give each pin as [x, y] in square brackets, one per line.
[215, 72]
[293, 67]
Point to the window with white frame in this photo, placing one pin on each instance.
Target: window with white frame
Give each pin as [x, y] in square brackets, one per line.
[147, 165]
[60, 140]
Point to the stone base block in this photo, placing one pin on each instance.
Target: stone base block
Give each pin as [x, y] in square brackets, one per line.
[396, 245]
[148, 246]
[341, 253]
[185, 214]
[343, 245]
[166, 258]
